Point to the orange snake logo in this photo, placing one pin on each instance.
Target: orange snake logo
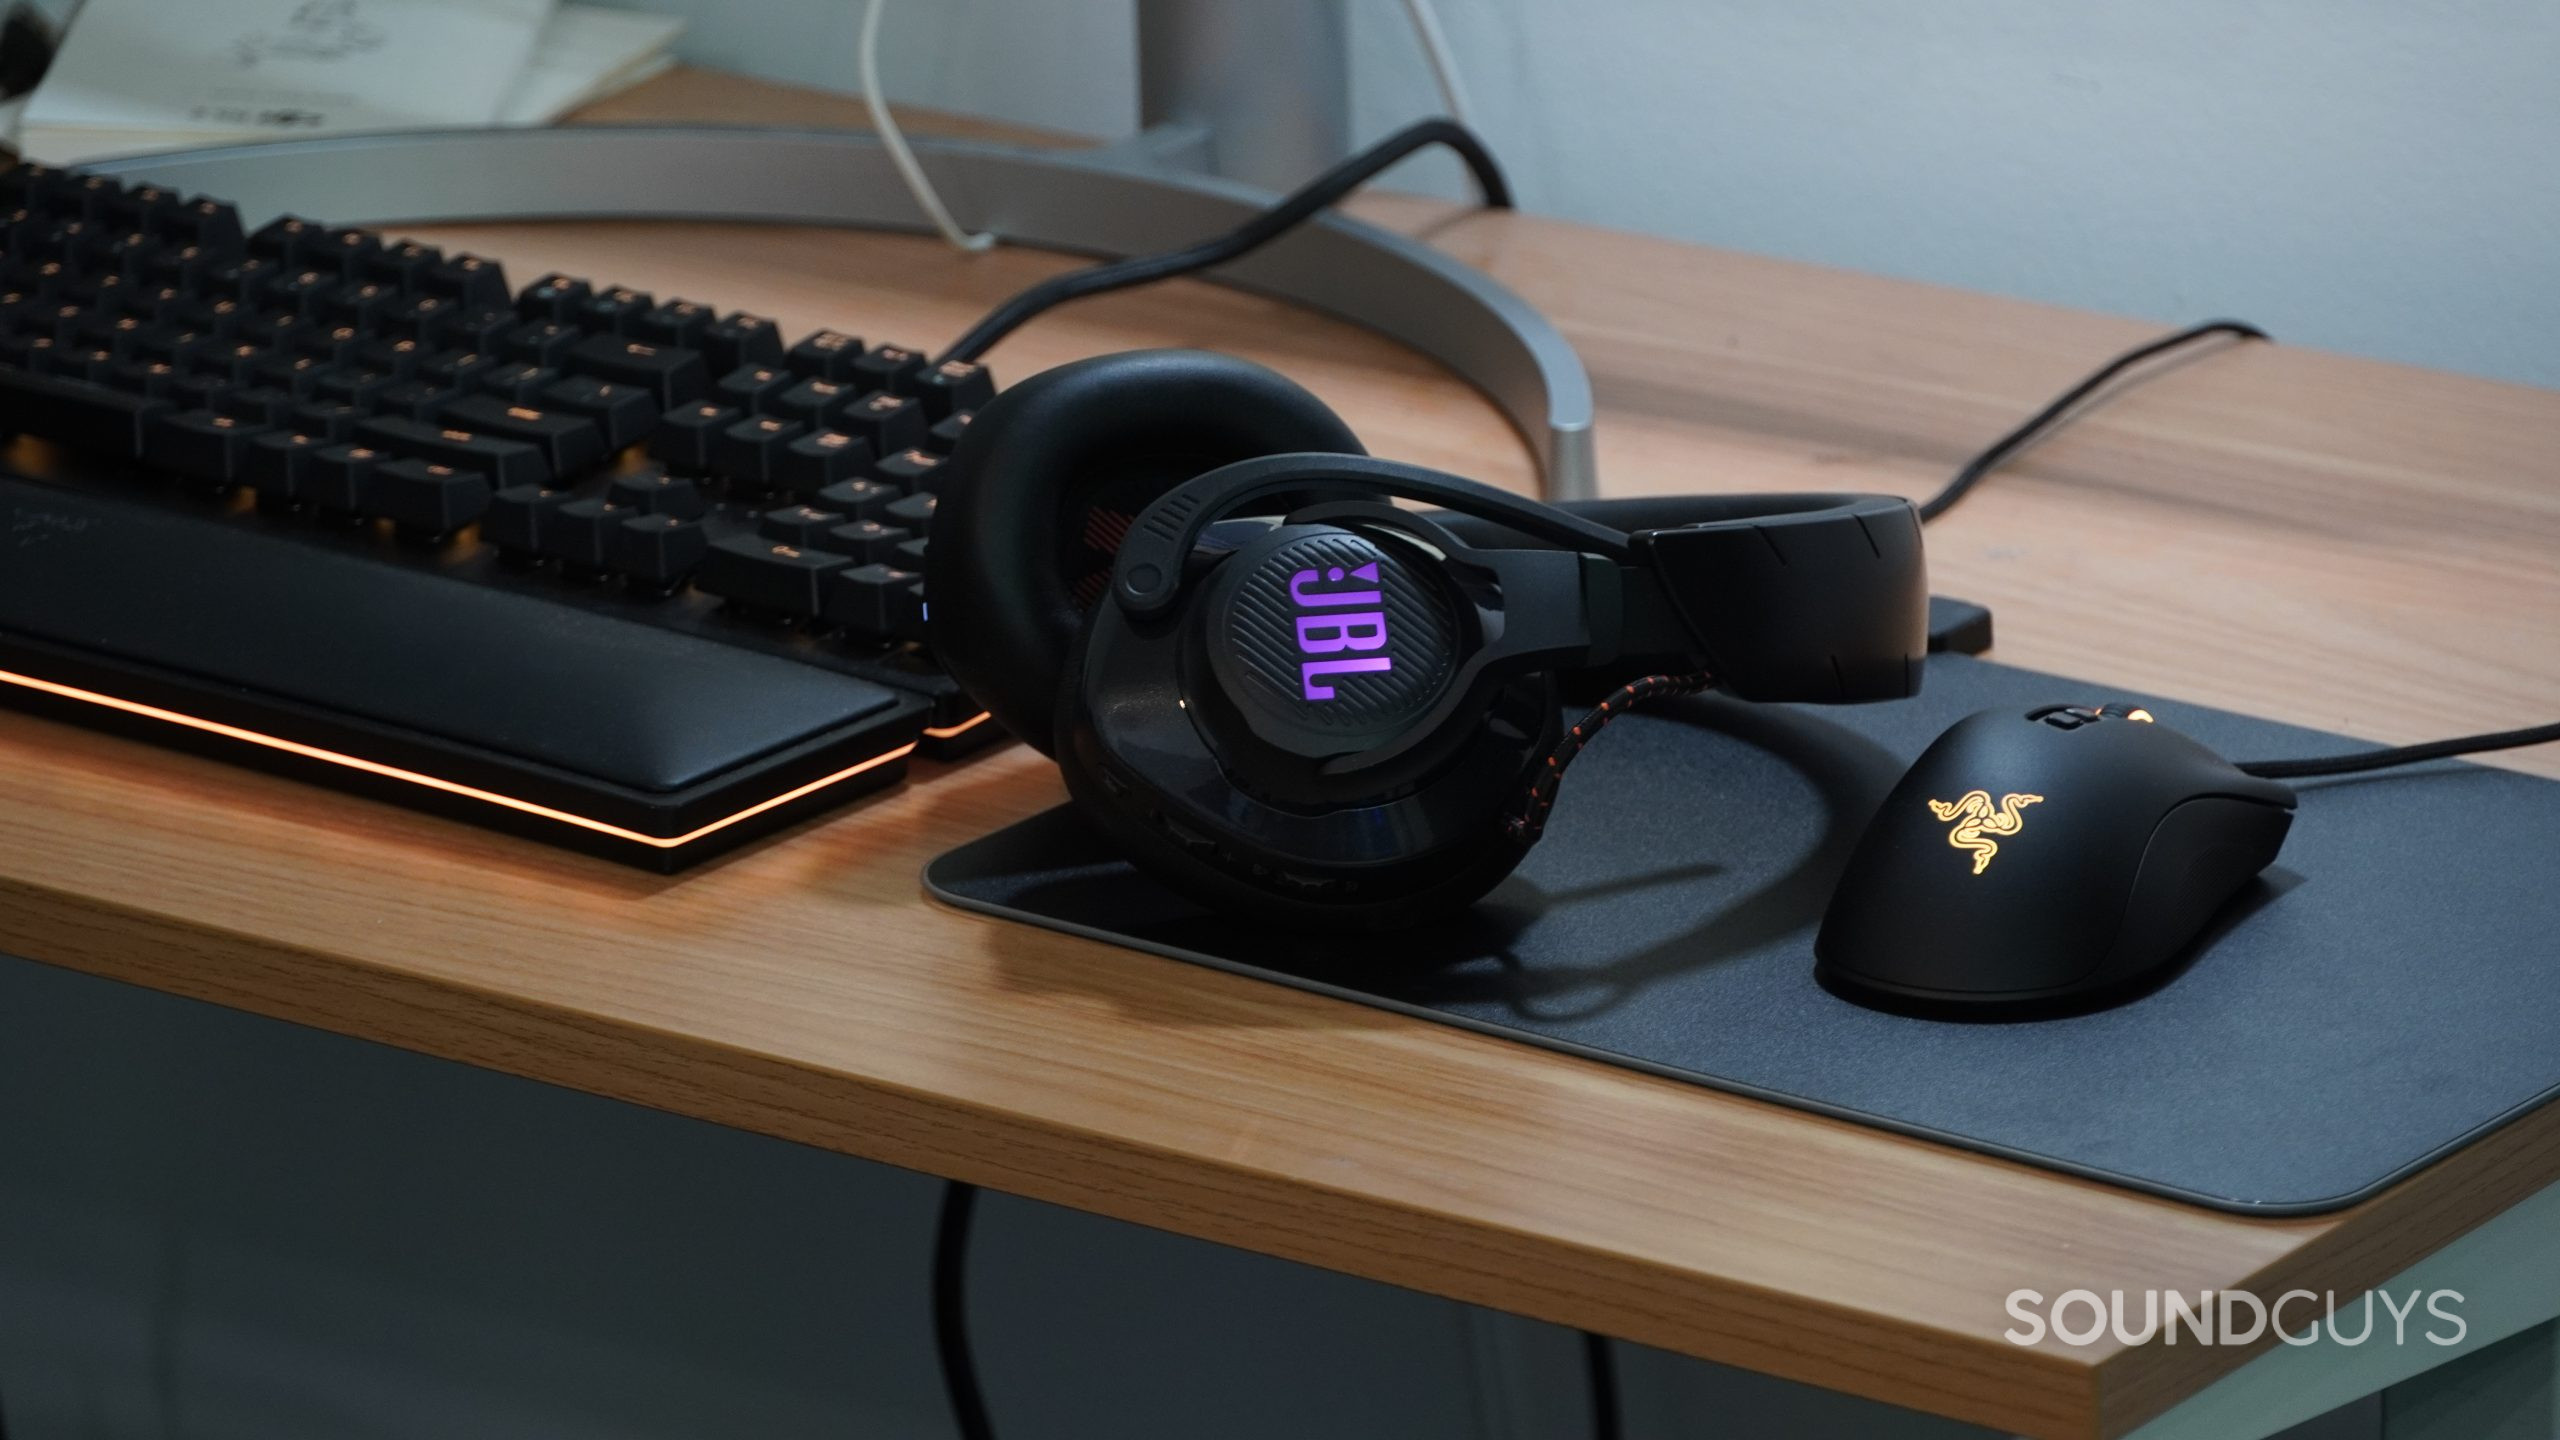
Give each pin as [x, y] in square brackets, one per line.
[1976, 822]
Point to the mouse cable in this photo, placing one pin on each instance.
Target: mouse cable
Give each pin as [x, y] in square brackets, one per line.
[1284, 215]
[2363, 760]
[2052, 416]
[951, 1311]
[1525, 827]
[894, 140]
[1600, 1365]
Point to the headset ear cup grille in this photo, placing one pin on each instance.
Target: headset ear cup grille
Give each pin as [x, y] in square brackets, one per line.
[1047, 477]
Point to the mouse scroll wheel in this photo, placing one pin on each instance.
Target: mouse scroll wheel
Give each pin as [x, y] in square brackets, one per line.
[2068, 717]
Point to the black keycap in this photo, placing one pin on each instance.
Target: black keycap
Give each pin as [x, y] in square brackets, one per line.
[472, 327]
[577, 534]
[331, 420]
[426, 497]
[339, 478]
[914, 471]
[474, 281]
[672, 374]
[518, 515]
[813, 402]
[826, 355]
[893, 368]
[888, 423]
[499, 462]
[259, 405]
[335, 344]
[624, 413]
[364, 303]
[296, 375]
[945, 435]
[911, 554]
[861, 499]
[84, 417]
[616, 310]
[402, 263]
[658, 551]
[310, 292]
[571, 443]
[749, 386]
[349, 248]
[751, 450]
[797, 524]
[422, 317]
[865, 542]
[782, 579]
[460, 369]
[212, 224]
[554, 297]
[915, 512]
[285, 239]
[814, 462]
[400, 357]
[517, 380]
[652, 491]
[955, 385]
[198, 443]
[365, 390]
[543, 342]
[741, 339]
[149, 379]
[877, 599]
[677, 323]
[688, 437]
[275, 461]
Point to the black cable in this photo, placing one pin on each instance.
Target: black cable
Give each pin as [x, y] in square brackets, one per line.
[1292, 210]
[1525, 827]
[2046, 419]
[2363, 760]
[1601, 1365]
[951, 1311]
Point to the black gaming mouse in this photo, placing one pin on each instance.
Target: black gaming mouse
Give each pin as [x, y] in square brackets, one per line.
[2044, 862]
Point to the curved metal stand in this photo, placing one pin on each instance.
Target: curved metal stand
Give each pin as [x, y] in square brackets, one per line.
[1090, 202]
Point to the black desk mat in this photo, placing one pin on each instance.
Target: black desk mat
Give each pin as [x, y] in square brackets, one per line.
[2382, 995]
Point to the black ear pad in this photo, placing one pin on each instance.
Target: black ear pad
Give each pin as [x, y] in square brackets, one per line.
[1225, 873]
[1046, 481]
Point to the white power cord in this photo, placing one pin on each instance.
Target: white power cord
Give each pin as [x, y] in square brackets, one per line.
[1444, 65]
[895, 142]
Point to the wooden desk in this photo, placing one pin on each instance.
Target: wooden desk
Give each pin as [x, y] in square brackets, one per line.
[2322, 539]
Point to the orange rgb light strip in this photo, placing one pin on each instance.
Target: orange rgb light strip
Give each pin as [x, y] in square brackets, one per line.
[945, 732]
[393, 772]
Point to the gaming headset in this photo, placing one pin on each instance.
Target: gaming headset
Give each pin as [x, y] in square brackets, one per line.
[1345, 711]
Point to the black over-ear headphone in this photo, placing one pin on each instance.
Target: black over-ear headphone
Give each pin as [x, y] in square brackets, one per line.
[1338, 716]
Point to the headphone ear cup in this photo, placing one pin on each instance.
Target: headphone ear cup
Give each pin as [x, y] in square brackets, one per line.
[1048, 478]
[1213, 870]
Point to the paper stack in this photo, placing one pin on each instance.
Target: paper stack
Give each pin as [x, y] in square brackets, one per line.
[141, 75]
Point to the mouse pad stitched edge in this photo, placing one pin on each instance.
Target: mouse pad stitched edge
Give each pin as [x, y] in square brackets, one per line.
[2375, 1000]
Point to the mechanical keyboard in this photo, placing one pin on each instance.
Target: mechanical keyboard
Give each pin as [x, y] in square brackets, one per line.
[623, 573]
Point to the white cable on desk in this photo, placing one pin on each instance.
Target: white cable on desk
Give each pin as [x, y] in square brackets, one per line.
[895, 142]
[1444, 65]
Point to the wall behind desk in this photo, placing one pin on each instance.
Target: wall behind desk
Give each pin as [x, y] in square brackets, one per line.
[2362, 177]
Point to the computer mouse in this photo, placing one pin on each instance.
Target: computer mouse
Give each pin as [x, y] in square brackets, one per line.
[2044, 861]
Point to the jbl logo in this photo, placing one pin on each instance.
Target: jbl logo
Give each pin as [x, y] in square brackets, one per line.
[1335, 627]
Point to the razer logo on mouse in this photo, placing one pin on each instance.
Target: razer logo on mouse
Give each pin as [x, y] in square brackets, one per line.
[1329, 626]
[1977, 821]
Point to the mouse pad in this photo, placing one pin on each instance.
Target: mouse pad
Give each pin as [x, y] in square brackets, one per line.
[2381, 995]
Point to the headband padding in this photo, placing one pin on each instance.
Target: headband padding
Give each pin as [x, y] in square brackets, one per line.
[1046, 480]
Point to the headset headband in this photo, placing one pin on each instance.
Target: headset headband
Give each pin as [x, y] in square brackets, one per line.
[1808, 597]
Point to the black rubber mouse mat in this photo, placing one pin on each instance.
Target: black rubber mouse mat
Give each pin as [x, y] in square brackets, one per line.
[2385, 993]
